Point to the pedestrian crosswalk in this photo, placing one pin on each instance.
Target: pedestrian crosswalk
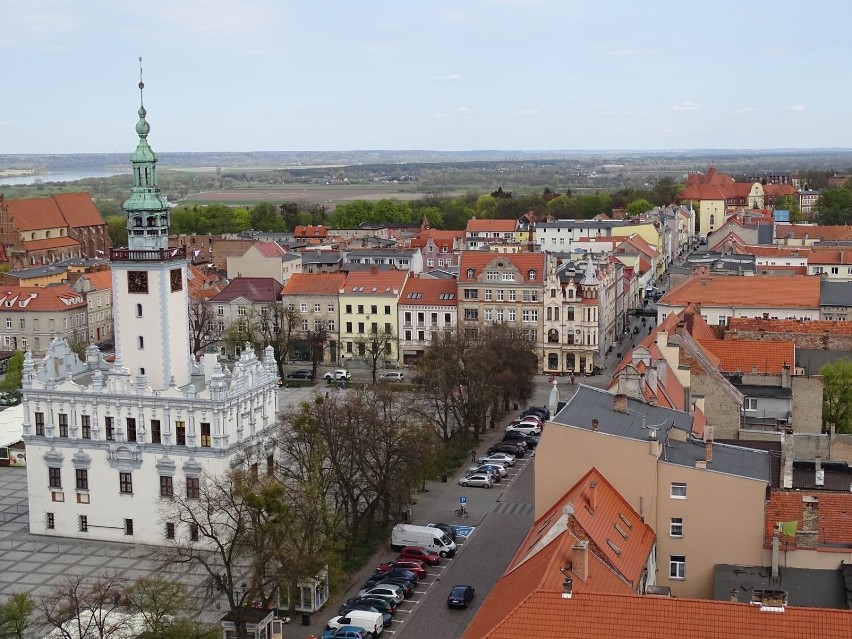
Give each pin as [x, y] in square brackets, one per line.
[508, 508]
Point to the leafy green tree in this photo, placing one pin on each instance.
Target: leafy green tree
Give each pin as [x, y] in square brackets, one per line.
[350, 215]
[158, 600]
[15, 615]
[266, 217]
[637, 207]
[434, 215]
[834, 207]
[664, 191]
[837, 396]
[486, 206]
[562, 207]
[117, 228]
[789, 203]
[14, 373]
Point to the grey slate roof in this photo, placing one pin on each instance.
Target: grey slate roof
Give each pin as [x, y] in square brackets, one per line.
[835, 293]
[756, 390]
[805, 587]
[812, 359]
[730, 460]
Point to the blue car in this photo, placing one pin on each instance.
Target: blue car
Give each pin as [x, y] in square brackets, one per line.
[346, 632]
[460, 596]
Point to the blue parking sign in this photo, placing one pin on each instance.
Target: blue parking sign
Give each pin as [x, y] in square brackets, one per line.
[462, 499]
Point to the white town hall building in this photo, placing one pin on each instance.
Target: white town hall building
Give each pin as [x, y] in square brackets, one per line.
[108, 442]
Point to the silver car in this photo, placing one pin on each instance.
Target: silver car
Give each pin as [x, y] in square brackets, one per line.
[385, 591]
[477, 479]
[392, 376]
[484, 468]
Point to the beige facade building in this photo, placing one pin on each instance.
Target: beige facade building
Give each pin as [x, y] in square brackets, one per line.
[315, 297]
[266, 259]
[97, 288]
[30, 317]
[704, 500]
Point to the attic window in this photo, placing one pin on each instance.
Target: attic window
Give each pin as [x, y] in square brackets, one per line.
[544, 525]
[615, 548]
[625, 520]
[470, 273]
[620, 531]
[375, 288]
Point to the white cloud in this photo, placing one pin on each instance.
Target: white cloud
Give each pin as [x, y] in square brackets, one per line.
[6, 122]
[796, 107]
[452, 77]
[525, 112]
[685, 106]
[463, 109]
[744, 110]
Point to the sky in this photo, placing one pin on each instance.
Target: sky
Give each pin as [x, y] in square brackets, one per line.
[447, 75]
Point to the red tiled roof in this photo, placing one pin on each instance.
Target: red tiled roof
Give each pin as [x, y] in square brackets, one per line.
[378, 283]
[270, 249]
[767, 250]
[57, 297]
[813, 231]
[78, 209]
[546, 615]
[491, 226]
[100, 280]
[57, 211]
[745, 355]
[50, 243]
[201, 285]
[314, 284]
[711, 177]
[833, 525]
[440, 238]
[253, 289]
[310, 231]
[774, 190]
[479, 260]
[702, 192]
[787, 326]
[792, 291]
[827, 256]
[420, 291]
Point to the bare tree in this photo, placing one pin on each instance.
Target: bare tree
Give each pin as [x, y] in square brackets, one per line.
[278, 326]
[317, 340]
[157, 600]
[203, 329]
[377, 346]
[80, 607]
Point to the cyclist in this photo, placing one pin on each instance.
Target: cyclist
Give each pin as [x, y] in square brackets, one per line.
[461, 511]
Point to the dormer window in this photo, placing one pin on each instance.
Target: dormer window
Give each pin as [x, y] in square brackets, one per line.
[470, 273]
[532, 274]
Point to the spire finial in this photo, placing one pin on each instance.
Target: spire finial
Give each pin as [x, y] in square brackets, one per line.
[141, 84]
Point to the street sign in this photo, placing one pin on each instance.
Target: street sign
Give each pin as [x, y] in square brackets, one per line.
[462, 499]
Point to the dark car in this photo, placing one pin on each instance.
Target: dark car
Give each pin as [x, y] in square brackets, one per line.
[380, 574]
[387, 618]
[379, 603]
[414, 566]
[514, 435]
[451, 532]
[302, 373]
[539, 411]
[506, 447]
[460, 596]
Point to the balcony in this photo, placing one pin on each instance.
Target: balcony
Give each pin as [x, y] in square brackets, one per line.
[147, 255]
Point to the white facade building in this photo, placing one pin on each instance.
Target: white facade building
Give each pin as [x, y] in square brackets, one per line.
[108, 443]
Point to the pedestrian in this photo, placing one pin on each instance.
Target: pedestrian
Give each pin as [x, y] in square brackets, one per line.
[473, 455]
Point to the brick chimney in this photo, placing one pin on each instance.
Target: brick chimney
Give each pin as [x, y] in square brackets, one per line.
[593, 499]
[580, 559]
[708, 444]
[619, 403]
[787, 459]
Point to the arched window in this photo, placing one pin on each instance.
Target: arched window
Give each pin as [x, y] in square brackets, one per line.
[556, 313]
[47, 233]
[137, 221]
[553, 338]
[470, 273]
[712, 220]
[553, 292]
[553, 361]
[571, 292]
[532, 274]
[549, 313]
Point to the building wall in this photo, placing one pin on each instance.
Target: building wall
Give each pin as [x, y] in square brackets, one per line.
[328, 316]
[708, 208]
[722, 410]
[383, 315]
[713, 314]
[22, 329]
[415, 334]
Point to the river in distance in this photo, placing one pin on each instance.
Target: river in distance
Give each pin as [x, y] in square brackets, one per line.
[59, 176]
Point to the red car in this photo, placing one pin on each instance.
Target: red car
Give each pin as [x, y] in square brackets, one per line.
[418, 553]
[412, 565]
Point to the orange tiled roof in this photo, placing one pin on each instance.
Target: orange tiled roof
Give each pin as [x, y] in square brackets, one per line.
[479, 260]
[767, 250]
[546, 615]
[57, 297]
[378, 283]
[100, 280]
[270, 249]
[813, 231]
[50, 243]
[78, 209]
[35, 214]
[826, 256]
[314, 284]
[310, 231]
[787, 326]
[641, 244]
[774, 190]
[440, 238]
[746, 355]
[834, 524]
[792, 291]
[702, 192]
[420, 291]
[491, 226]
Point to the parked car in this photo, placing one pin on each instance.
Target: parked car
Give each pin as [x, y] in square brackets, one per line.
[498, 469]
[535, 419]
[527, 428]
[506, 459]
[414, 566]
[486, 469]
[419, 554]
[393, 571]
[387, 618]
[302, 373]
[406, 585]
[392, 376]
[513, 435]
[540, 411]
[507, 447]
[447, 528]
[346, 632]
[477, 479]
[380, 603]
[460, 596]
[372, 621]
[340, 373]
[386, 591]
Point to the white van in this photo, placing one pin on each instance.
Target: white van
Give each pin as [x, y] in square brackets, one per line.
[432, 539]
[372, 622]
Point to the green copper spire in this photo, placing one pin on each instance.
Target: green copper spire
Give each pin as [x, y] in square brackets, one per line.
[147, 209]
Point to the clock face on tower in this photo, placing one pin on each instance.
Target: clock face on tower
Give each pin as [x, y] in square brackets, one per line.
[137, 281]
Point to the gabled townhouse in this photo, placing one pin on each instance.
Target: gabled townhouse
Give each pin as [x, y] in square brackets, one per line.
[502, 289]
[722, 297]
[30, 317]
[704, 500]
[579, 315]
[716, 193]
[266, 259]
[590, 540]
[315, 297]
[96, 287]
[368, 303]
[480, 233]
[242, 300]
[426, 306]
[440, 249]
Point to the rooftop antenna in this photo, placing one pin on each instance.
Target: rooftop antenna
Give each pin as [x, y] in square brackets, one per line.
[141, 84]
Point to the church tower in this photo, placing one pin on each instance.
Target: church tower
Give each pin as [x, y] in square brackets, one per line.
[150, 303]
